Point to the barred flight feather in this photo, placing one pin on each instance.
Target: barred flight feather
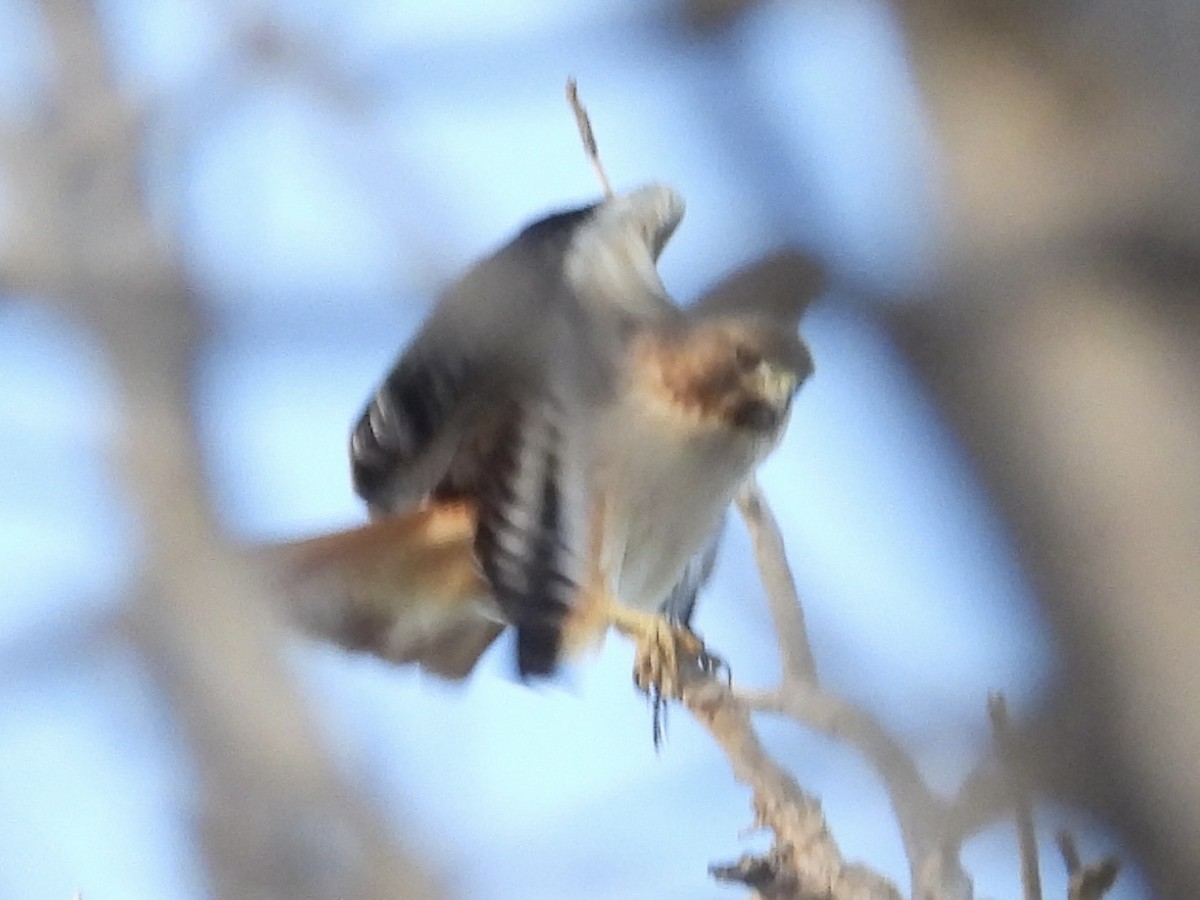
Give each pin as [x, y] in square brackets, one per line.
[403, 424]
[525, 541]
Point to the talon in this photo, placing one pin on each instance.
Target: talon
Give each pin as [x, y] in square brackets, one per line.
[665, 661]
[656, 668]
[668, 655]
[658, 725]
[713, 666]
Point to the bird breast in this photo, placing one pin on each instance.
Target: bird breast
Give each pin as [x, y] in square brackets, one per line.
[664, 480]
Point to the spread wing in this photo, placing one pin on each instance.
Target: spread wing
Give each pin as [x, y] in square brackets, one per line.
[490, 401]
[779, 287]
[497, 335]
[409, 442]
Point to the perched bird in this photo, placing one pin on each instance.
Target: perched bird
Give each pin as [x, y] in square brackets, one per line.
[556, 449]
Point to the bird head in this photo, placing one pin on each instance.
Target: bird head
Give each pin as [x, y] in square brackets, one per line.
[734, 373]
[754, 371]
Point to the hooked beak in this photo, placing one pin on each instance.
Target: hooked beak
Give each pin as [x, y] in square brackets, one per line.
[775, 385]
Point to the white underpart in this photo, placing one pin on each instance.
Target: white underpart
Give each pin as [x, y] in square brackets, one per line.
[666, 483]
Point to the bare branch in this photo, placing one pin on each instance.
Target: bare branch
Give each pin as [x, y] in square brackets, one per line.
[1086, 882]
[795, 652]
[1031, 879]
[921, 815]
[1070, 853]
[277, 822]
[587, 136]
[805, 860]
[918, 811]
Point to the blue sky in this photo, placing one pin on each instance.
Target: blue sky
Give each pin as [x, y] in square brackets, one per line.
[318, 206]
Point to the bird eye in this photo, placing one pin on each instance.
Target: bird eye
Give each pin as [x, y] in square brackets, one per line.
[746, 358]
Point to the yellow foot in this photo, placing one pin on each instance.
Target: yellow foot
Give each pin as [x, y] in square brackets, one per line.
[667, 656]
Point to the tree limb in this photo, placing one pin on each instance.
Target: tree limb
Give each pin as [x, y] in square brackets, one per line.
[1031, 879]
[795, 651]
[1090, 882]
[805, 860]
[276, 820]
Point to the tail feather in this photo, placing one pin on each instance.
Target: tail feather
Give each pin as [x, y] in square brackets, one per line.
[406, 589]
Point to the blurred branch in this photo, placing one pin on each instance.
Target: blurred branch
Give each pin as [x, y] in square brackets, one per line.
[918, 811]
[584, 122]
[1061, 345]
[795, 651]
[1031, 879]
[1075, 393]
[277, 822]
[1086, 882]
[805, 860]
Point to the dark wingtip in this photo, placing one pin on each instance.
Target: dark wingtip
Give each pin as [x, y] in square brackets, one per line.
[538, 646]
[557, 225]
[781, 285]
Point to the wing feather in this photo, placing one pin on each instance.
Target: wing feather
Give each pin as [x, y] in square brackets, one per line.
[528, 536]
[413, 427]
[779, 286]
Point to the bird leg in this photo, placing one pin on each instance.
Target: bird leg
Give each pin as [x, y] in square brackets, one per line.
[666, 651]
[667, 654]
[663, 647]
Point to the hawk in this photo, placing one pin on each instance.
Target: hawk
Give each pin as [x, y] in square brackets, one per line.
[556, 449]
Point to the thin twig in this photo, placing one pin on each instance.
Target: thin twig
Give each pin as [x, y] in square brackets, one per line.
[1070, 853]
[1031, 879]
[795, 651]
[1089, 882]
[587, 136]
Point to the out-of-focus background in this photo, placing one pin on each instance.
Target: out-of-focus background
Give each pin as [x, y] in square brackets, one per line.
[319, 170]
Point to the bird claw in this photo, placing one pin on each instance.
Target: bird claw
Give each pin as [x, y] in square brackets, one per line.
[667, 658]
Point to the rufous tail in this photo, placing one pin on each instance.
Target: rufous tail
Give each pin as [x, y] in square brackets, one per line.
[406, 589]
